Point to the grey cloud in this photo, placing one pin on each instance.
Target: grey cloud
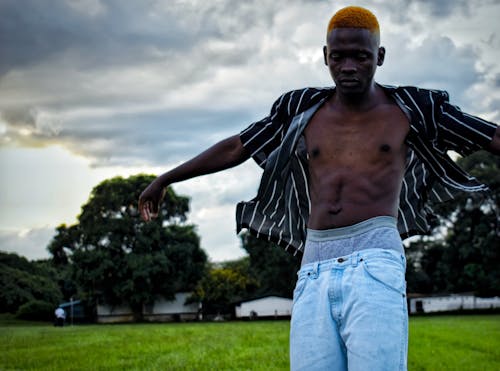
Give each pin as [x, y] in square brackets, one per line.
[32, 243]
[154, 138]
[445, 8]
[437, 63]
[22, 119]
[494, 106]
[493, 40]
[422, 11]
[496, 81]
[19, 117]
[177, 46]
[171, 39]
[234, 196]
[32, 31]
[36, 31]
[21, 39]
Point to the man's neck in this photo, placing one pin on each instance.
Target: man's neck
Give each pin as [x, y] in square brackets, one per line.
[361, 102]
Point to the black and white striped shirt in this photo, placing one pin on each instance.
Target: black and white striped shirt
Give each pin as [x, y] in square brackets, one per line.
[281, 208]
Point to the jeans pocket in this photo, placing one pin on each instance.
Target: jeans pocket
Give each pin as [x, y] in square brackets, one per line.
[387, 271]
[299, 288]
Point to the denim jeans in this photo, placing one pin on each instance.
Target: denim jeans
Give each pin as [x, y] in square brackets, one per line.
[350, 313]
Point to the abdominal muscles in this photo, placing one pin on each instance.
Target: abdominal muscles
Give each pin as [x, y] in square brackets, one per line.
[345, 196]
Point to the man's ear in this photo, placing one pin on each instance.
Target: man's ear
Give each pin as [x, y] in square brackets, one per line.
[325, 57]
[380, 56]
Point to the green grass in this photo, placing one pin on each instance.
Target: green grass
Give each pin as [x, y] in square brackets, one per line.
[455, 343]
[436, 343]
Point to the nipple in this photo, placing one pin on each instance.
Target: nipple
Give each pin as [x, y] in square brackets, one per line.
[385, 148]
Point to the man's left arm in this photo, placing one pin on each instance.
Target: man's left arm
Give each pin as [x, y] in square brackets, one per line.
[494, 146]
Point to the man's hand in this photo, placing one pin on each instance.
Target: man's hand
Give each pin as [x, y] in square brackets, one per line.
[150, 199]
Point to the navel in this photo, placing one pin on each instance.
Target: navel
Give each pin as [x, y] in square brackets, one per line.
[335, 211]
[385, 148]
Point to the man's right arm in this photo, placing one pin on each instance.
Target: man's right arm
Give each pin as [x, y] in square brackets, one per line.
[223, 155]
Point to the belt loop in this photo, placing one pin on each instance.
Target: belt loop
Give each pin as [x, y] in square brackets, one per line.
[316, 269]
[354, 259]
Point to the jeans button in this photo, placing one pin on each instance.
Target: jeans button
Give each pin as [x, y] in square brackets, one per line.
[340, 260]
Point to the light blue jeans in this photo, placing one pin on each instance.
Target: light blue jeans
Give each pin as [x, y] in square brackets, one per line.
[350, 312]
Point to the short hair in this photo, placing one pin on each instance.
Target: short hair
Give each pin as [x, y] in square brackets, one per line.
[354, 17]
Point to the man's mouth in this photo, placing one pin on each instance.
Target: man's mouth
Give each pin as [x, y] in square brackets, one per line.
[349, 82]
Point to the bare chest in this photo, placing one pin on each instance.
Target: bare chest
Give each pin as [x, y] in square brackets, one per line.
[356, 140]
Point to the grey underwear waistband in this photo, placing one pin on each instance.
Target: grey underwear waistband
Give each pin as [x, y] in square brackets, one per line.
[379, 232]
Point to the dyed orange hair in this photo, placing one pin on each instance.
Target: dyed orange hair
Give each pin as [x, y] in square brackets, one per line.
[354, 17]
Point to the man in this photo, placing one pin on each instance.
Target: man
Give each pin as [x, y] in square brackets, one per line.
[347, 171]
[60, 316]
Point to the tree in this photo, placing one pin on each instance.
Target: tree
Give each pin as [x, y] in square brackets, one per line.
[116, 258]
[274, 269]
[466, 257]
[23, 281]
[417, 280]
[267, 270]
[224, 285]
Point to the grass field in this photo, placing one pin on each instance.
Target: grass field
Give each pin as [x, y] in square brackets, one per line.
[436, 343]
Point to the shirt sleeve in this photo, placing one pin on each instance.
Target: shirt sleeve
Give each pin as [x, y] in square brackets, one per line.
[264, 136]
[461, 132]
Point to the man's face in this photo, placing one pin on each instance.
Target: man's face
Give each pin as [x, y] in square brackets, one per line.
[352, 56]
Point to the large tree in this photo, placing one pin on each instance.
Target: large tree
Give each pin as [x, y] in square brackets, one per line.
[464, 255]
[116, 258]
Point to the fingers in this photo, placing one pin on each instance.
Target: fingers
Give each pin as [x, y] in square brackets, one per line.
[148, 211]
[152, 209]
[148, 208]
[144, 211]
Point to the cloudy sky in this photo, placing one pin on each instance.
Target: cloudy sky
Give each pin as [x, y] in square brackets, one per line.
[91, 89]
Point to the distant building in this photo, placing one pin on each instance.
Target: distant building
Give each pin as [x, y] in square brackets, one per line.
[269, 306]
[445, 303]
[160, 311]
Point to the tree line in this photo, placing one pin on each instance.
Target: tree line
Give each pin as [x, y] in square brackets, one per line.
[110, 256]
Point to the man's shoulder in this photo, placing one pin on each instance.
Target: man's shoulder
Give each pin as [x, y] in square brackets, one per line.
[298, 100]
[415, 92]
[307, 93]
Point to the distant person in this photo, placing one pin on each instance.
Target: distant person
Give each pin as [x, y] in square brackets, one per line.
[348, 171]
[60, 317]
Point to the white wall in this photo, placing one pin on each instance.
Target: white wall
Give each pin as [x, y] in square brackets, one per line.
[453, 302]
[268, 306]
[176, 306]
[161, 310]
[108, 310]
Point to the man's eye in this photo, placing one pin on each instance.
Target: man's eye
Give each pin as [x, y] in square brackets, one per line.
[362, 56]
[335, 56]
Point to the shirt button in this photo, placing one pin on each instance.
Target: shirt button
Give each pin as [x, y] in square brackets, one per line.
[341, 260]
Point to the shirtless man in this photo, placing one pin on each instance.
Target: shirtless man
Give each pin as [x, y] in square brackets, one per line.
[356, 139]
[347, 171]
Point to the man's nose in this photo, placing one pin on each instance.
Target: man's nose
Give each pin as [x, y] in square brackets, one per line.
[349, 66]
